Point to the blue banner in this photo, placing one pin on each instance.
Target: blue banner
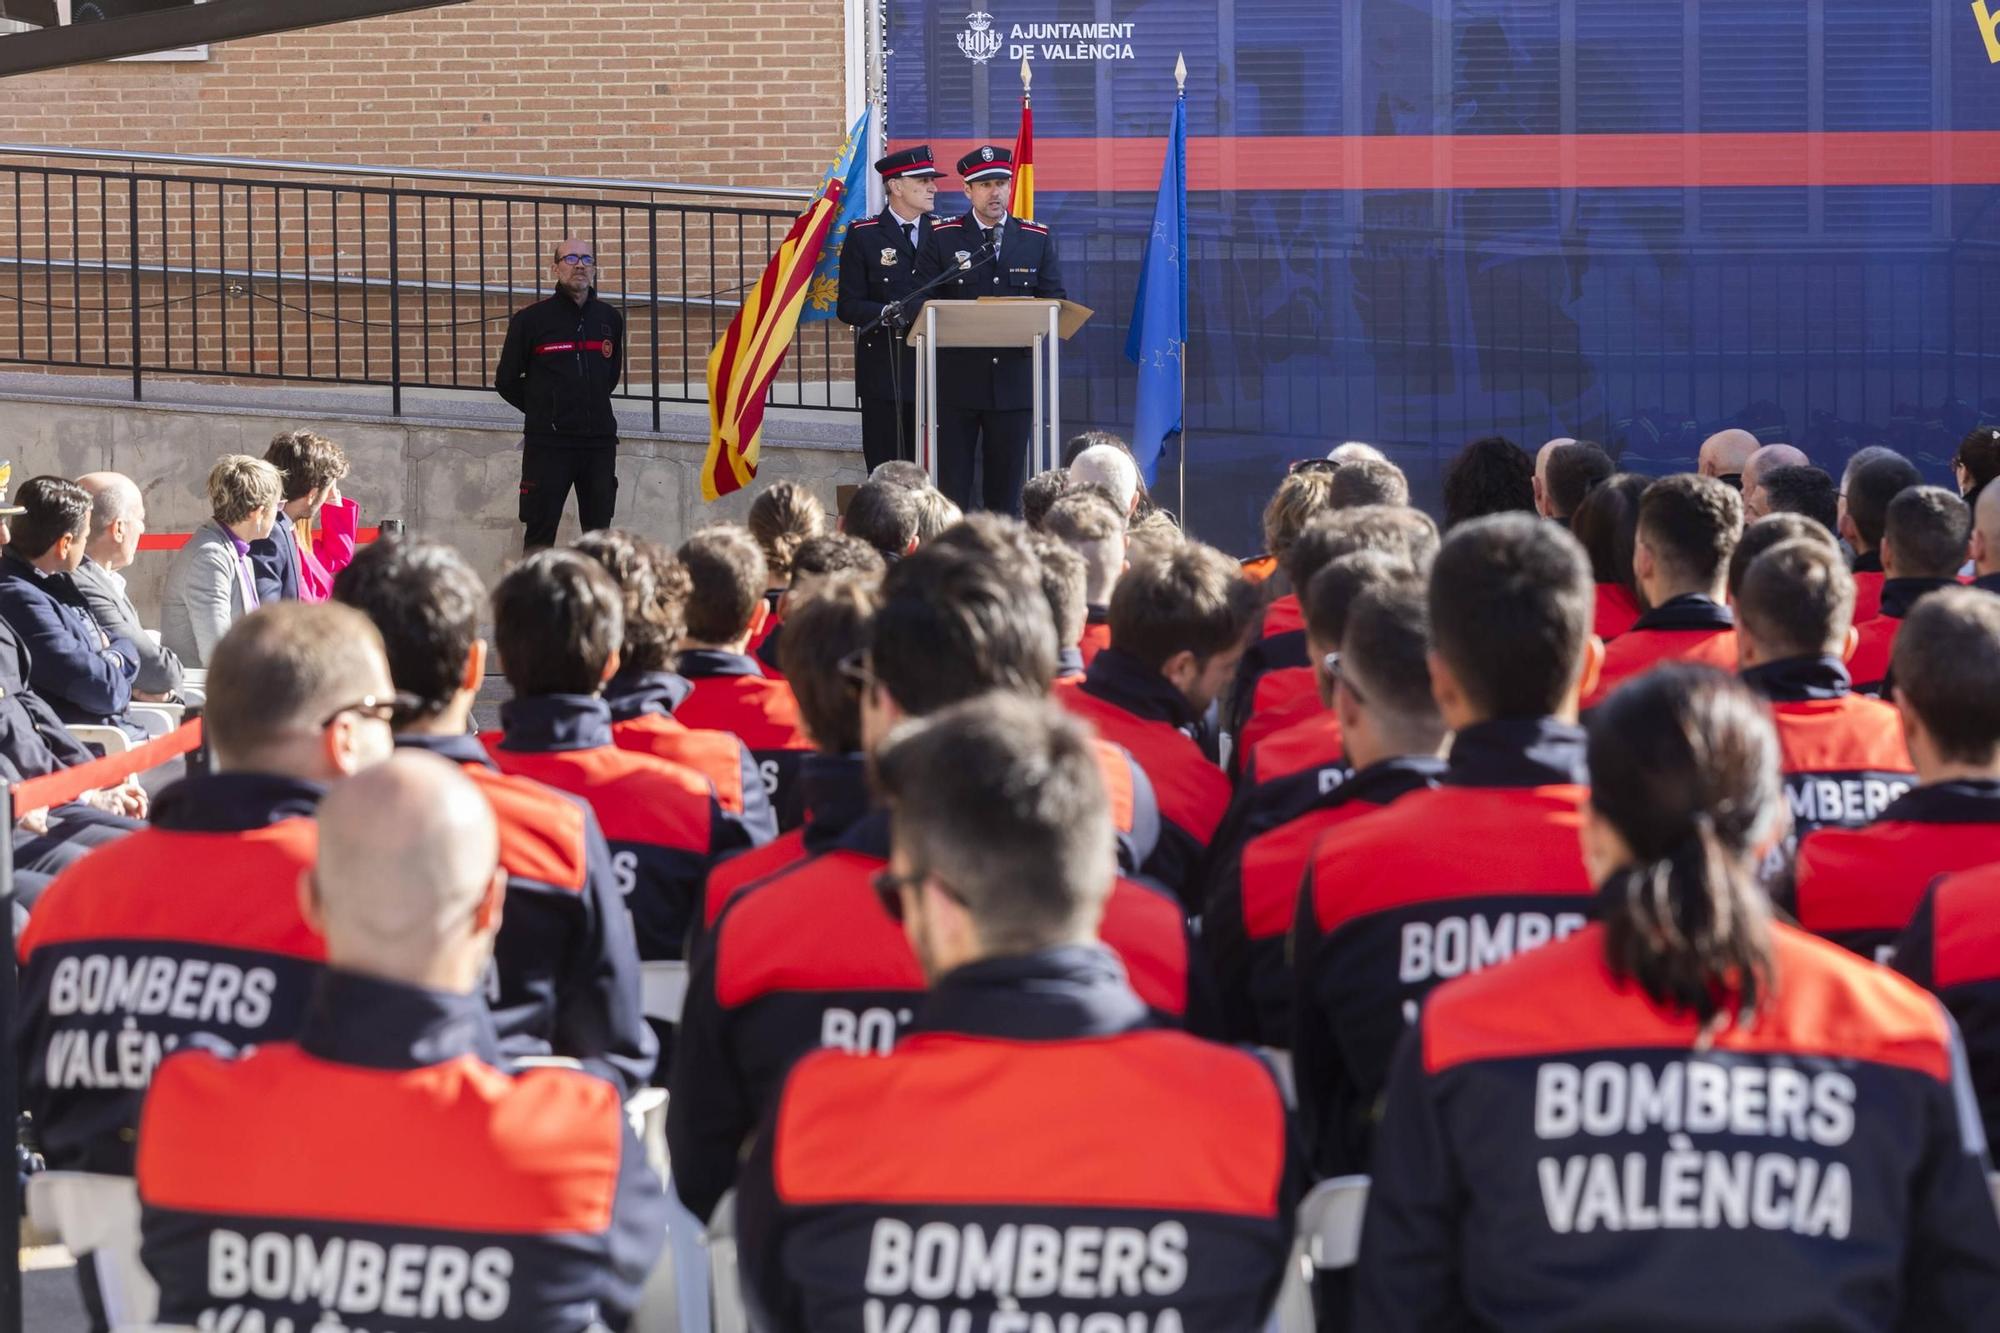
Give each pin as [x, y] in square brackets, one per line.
[1157, 339]
[1415, 222]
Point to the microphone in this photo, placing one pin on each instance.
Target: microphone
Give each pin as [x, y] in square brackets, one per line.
[893, 311]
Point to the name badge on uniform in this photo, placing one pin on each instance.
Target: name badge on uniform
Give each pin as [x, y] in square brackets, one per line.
[888, 256]
[964, 258]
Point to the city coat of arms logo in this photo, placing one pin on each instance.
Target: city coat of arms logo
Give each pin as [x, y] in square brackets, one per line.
[979, 42]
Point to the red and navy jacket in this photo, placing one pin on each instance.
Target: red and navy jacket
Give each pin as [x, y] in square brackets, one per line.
[1280, 642]
[1287, 774]
[1444, 882]
[835, 790]
[187, 928]
[804, 959]
[1860, 887]
[1688, 628]
[565, 973]
[663, 822]
[1133, 706]
[731, 693]
[642, 720]
[1253, 898]
[1988, 583]
[1868, 580]
[1617, 611]
[386, 1172]
[1557, 1152]
[766, 988]
[1284, 697]
[1031, 1156]
[1844, 755]
[1096, 632]
[1952, 948]
[1875, 638]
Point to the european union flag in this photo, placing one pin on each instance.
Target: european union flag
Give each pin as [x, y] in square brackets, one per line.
[1159, 327]
[850, 168]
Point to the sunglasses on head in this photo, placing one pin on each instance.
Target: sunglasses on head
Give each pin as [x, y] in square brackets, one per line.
[1313, 465]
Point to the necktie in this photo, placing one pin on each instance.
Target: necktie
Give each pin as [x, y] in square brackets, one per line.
[910, 234]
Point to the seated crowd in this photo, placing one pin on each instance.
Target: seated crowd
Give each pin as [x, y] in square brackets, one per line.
[1608, 876]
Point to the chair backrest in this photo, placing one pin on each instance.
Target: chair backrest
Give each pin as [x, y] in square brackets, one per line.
[1993, 1187]
[724, 1285]
[99, 1215]
[663, 989]
[1330, 1221]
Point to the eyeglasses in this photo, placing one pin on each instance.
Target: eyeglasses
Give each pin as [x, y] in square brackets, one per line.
[889, 886]
[854, 670]
[387, 710]
[580, 261]
[1332, 664]
[1313, 465]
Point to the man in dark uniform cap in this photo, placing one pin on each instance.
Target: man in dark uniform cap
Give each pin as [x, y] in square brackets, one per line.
[878, 265]
[986, 395]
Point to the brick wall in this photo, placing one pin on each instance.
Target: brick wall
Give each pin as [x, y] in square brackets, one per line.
[738, 92]
[701, 91]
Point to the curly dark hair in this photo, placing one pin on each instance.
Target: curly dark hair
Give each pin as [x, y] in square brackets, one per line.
[1492, 475]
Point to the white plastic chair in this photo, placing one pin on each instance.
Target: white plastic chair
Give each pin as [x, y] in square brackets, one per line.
[663, 988]
[725, 1286]
[98, 1215]
[112, 740]
[1330, 1221]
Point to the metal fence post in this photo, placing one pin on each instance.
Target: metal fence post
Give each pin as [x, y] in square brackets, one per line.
[132, 240]
[10, 1088]
[653, 299]
[395, 312]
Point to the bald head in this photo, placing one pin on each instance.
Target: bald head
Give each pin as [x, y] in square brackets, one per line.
[1112, 468]
[574, 278]
[1986, 532]
[1726, 453]
[407, 885]
[1761, 465]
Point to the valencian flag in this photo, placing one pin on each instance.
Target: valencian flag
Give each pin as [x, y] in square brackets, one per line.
[850, 168]
[1157, 338]
[1021, 201]
[744, 363]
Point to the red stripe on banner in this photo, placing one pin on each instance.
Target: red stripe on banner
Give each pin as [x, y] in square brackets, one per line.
[589, 345]
[1520, 161]
[173, 541]
[108, 771]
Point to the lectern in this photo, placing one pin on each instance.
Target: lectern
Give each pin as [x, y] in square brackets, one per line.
[1037, 323]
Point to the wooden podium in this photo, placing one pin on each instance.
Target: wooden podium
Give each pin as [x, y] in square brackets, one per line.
[1037, 323]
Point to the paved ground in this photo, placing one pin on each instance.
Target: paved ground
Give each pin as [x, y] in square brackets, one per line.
[49, 1303]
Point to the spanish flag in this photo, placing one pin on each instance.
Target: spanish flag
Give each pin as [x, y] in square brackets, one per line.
[744, 363]
[1021, 203]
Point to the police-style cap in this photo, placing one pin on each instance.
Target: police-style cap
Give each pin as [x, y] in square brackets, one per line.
[6, 476]
[914, 162]
[987, 163]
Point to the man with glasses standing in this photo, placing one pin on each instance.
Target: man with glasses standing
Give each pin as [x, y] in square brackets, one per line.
[558, 366]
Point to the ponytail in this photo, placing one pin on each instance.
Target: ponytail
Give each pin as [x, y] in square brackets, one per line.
[1684, 764]
[1691, 928]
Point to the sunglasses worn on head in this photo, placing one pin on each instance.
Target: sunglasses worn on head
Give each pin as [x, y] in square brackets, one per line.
[1314, 465]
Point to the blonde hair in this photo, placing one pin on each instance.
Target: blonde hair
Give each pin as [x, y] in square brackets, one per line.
[239, 486]
[1299, 497]
[783, 518]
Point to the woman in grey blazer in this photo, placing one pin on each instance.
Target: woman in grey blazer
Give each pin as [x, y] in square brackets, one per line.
[210, 582]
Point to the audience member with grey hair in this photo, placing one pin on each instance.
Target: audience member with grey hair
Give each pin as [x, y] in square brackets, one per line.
[1111, 467]
[117, 521]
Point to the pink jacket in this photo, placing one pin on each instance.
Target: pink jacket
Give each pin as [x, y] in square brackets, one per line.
[330, 551]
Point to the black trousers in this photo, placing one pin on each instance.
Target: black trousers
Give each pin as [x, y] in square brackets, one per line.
[879, 418]
[548, 472]
[983, 457]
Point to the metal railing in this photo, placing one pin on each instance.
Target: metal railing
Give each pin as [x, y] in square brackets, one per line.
[249, 269]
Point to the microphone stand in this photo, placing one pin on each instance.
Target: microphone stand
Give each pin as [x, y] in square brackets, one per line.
[893, 311]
